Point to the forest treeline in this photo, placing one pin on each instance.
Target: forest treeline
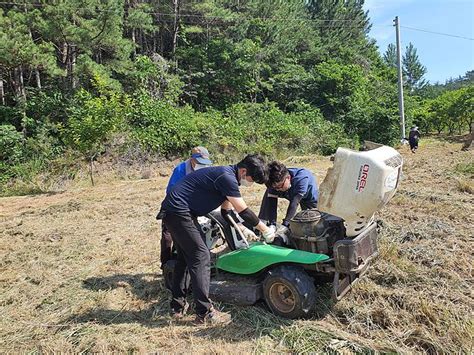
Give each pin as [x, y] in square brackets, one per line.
[159, 76]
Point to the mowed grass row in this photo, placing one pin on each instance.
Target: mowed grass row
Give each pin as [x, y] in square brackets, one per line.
[80, 272]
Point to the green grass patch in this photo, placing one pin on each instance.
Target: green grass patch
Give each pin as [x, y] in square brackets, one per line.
[310, 339]
[465, 168]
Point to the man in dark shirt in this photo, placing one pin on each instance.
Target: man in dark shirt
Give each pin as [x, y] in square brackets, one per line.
[413, 138]
[297, 185]
[195, 195]
[199, 159]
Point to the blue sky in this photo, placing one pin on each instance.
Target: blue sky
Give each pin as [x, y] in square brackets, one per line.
[444, 57]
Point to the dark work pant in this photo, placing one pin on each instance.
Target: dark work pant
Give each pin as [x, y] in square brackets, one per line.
[268, 209]
[413, 143]
[166, 243]
[192, 253]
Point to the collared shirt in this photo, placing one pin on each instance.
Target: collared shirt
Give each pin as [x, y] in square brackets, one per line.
[182, 169]
[303, 183]
[203, 191]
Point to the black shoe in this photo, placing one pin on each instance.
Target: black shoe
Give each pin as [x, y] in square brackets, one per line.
[177, 314]
[213, 317]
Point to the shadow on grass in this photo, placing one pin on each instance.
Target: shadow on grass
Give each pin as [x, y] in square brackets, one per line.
[149, 286]
[453, 138]
[248, 322]
[27, 191]
[144, 286]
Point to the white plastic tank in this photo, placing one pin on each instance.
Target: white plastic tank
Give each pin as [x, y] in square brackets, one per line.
[359, 184]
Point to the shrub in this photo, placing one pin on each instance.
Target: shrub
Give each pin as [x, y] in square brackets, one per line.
[162, 127]
[11, 144]
[92, 119]
[242, 128]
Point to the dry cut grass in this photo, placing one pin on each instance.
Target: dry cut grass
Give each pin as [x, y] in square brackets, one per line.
[80, 272]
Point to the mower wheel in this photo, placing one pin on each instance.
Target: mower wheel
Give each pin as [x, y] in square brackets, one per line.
[289, 291]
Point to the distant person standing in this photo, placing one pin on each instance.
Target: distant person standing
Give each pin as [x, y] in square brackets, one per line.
[413, 138]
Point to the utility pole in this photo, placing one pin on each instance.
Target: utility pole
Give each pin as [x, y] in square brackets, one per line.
[401, 110]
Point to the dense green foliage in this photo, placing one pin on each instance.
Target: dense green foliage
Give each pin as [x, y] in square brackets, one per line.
[247, 76]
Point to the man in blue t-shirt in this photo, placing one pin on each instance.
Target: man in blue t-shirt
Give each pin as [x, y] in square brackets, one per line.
[297, 185]
[197, 195]
[199, 159]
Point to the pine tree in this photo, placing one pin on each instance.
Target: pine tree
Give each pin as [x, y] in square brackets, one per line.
[21, 53]
[390, 55]
[342, 25]
[413, 70]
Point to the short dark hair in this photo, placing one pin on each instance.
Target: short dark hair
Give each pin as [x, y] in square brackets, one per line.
[256, 168]
[277, 172]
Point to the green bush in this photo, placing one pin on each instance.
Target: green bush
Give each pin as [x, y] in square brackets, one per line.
[162, 127]
[23, 160]
[11, 144]
[465, 168]
[242, 128]
[92, 119]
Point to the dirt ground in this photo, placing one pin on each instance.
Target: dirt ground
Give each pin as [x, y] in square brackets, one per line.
[80, 272]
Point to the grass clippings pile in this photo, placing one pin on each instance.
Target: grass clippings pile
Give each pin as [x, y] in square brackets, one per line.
[80, 272]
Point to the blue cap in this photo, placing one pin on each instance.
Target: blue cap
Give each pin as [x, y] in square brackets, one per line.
[201, 155]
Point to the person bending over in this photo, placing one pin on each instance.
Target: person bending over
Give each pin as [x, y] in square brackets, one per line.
[297, 185]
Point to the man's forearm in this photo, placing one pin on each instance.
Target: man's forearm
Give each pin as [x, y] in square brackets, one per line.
[291, 211]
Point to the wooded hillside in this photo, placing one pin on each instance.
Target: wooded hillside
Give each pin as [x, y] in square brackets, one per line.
[160, 76]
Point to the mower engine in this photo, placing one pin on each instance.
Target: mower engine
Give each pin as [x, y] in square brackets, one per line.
[359, 184]
[316, 232]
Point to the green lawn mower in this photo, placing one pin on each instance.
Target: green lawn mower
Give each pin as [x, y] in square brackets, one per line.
[335, 243]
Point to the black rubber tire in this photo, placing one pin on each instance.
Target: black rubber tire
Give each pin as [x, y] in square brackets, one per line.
[299, 290]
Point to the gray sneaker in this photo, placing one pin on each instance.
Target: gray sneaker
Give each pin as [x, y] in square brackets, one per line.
[214, 317]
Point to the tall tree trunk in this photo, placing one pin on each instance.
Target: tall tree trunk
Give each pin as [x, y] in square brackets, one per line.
[2, 92]
[36, 71]
[134, 40]
[175, 27]
[38, 78]
[64, 53]
[91, 169]
[17, 82]
[71, 65]
[73, 68]
[22, 84]
[64, 63]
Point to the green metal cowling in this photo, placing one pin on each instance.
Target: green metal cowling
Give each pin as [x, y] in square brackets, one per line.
[259, 256]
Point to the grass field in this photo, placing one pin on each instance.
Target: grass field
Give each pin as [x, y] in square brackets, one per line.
[80, 272]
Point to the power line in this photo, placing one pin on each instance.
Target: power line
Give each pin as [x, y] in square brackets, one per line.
[328, 23]
[195, 15]
[437, 33]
